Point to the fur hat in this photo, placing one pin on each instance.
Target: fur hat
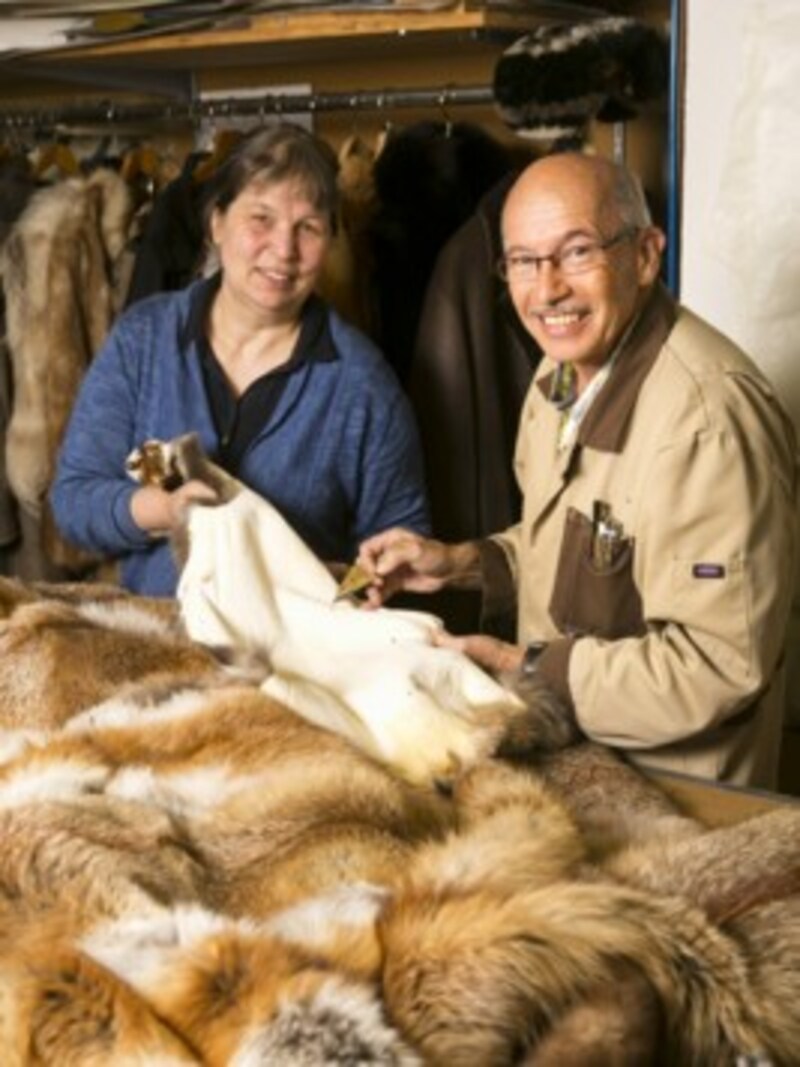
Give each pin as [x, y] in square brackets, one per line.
[549, 84]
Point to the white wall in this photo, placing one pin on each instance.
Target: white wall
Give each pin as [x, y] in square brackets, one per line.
[740, 234]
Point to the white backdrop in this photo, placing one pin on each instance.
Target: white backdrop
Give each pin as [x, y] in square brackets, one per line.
[740, 234]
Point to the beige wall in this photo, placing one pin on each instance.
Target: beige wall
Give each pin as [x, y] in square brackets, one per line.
[740, 252]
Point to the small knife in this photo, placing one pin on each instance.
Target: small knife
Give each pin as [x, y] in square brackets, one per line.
[355, 581]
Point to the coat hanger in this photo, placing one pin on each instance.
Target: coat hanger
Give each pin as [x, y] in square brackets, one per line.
[444, 96]
[386, 130]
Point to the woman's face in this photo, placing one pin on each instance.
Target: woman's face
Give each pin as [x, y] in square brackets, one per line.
[271, 242]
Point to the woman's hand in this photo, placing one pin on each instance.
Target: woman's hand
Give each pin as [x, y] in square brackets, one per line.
[161, 512]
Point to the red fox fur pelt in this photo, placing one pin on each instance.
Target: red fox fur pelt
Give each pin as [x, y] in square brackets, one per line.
[192, 874]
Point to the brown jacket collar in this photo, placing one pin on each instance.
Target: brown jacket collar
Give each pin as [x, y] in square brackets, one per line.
[605, 426]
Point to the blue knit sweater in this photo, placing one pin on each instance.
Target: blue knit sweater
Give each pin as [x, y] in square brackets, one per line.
[339, 456]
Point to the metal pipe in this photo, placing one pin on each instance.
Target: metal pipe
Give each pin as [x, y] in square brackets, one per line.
[674, 145]
[270, 103]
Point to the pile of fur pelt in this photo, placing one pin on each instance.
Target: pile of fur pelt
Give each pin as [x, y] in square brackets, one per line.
[190, 873]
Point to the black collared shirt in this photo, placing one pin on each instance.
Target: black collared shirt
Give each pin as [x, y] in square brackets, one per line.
[238, 420]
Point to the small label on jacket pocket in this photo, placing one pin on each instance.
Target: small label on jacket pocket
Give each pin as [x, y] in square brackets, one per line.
[708, 570]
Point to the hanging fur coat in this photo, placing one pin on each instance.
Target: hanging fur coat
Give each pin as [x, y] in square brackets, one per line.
[429, 179]
[473, 363]
[346, 279]
[58, 275]
[9, 527]
[17, 185]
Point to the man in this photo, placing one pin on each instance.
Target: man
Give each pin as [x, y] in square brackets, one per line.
[653, 563]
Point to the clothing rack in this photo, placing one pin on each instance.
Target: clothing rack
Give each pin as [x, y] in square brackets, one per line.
[193, 111]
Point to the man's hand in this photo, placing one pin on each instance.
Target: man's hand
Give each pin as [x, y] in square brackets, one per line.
[546, 723]
[160, 512]
[399, 559]
[488, 652]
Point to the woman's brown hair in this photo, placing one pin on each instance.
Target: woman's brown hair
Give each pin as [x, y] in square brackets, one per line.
[275, 154]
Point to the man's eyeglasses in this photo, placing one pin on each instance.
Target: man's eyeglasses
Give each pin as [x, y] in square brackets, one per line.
[574, 258]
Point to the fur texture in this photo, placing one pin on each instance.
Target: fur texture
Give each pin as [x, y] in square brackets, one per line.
[549, 84]
[57, 269]
[344, 281]
[153, 463]
[59, 657]
[549, 724]
[189, 873]
[168, 464]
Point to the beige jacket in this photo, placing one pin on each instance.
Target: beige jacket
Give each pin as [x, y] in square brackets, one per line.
[672, 646]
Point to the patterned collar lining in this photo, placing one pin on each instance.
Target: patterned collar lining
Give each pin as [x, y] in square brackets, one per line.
[602, 420]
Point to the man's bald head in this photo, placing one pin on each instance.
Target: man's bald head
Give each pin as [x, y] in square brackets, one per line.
[616, 192]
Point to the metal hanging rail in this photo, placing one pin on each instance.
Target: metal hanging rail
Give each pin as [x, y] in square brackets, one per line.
[260, 106]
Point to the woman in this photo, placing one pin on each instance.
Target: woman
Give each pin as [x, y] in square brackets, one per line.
[284, 394]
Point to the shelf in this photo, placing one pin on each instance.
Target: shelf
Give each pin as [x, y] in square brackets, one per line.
[275, 38]
[280, 36]
[456, 45]
[280, 48]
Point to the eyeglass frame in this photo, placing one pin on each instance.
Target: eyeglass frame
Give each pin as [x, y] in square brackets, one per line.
[557, 258]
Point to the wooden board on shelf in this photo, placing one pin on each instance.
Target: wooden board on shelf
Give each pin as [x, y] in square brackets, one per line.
[302, 37]
[266, 37]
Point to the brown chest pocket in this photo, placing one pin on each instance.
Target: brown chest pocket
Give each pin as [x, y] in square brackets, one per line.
[591, 597]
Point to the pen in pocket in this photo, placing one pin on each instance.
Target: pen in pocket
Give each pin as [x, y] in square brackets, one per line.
[606, 536]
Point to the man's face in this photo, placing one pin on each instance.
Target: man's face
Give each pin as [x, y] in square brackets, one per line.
[558, 204]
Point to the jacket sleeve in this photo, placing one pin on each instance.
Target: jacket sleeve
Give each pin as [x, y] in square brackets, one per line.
[91, 493]
[391, 479]
[715, 557]
[508, 540]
